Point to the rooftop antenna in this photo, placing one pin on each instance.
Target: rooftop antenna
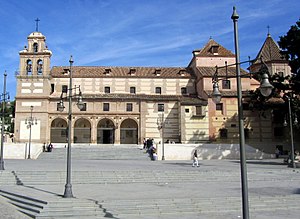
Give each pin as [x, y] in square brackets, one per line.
[37, 24]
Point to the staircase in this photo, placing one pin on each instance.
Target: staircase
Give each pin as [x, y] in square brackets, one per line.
[105, 152]
[54, 207]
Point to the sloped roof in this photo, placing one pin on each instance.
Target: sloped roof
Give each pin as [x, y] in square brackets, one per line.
[269, 51]
[206, 51]
[122, 72]
[210, 71]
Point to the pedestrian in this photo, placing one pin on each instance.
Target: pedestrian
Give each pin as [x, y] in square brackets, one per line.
[195, 159]
[145, 143]
[50, 147]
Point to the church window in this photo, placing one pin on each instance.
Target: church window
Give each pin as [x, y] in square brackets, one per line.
[29, 67]
[183, 91]
[160, 107]
[107, 90]
[40, 66]
[158, 90]
[105, 106]
[132, 90]
[64, 88]
[219, 106]
[52, 88]
[225, 84]
[129, 107]
[35, 47]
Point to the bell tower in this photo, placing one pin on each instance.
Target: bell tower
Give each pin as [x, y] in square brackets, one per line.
[33, 89]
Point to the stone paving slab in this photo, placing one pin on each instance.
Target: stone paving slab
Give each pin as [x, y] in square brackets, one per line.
[269, 181]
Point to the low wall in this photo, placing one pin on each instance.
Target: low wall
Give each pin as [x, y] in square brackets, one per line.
[21, 150]
[208, 151]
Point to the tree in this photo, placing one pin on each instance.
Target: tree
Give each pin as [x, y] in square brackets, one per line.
[290, 45]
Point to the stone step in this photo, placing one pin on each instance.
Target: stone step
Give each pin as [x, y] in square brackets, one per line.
[110, 153]
[7, 178]
[125, 177]
[25, 204]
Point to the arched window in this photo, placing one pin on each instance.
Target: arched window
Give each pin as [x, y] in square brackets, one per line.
[35, 47]
[29, 67]
[39, 67]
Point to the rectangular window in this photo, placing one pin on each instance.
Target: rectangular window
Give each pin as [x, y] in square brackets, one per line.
[158, 90]
[187, 110]
[105, 106]
[52, 88]
[219, 106]
[84, 107]
[225, 84]
[199, 111]
[129, 107]
[160, 107]
[132, 90]
[223, 133]
[64, 88]
[107, 90]
[183, 90]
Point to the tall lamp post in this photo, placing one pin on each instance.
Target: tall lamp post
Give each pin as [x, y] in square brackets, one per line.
[265, 89]
[68, 187]
[291, 131]
[4, 98]
[30, 121]
[161, 125]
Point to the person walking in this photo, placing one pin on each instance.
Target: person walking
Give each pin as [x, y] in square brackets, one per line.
[195, 159]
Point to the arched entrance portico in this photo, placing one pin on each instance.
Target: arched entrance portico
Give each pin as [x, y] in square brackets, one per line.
[129, 132]
[58, 131]
[82, 131]
[105, 132]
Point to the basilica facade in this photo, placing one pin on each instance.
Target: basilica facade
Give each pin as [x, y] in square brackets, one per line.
[124, 105]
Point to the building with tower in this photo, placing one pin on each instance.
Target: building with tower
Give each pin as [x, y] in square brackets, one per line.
[124, 105]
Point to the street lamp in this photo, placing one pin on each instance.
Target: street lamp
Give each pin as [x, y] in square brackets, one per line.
[68, 187]
[161, 125]
[4, 98]
[265, 89]
[30, 121]
[291, 131]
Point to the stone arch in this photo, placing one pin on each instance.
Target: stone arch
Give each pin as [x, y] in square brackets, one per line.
[82, 131]
[106, 131]
[28, 67]
[59, 131]
[39, 67]
[35, 47]
[129, 131]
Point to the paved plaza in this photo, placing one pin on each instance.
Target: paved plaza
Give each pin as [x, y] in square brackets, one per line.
[112, 187]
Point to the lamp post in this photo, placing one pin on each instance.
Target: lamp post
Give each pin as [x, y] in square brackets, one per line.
[30, 121]
[265, 89]
[161, 125]
[68, 187]
[4, 98]
[243, 166]
[291, 131]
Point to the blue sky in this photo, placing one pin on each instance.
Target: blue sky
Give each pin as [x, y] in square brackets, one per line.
[136, 32]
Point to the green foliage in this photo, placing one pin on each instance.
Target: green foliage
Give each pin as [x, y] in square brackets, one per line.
[290, 45]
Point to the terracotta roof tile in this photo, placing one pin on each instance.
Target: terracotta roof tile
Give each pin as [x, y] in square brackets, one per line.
[210, 71]
[206, 51]
[269, 51]
[122, 72]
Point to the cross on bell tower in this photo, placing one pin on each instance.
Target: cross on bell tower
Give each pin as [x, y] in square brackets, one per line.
[37, 24]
